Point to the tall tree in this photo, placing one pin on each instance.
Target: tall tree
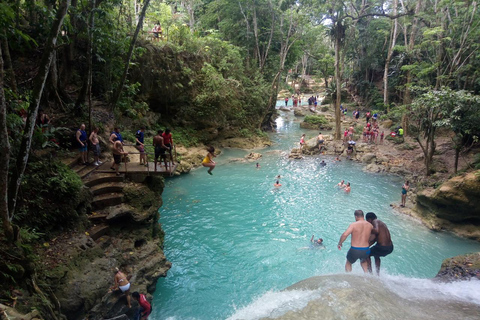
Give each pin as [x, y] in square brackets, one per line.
[123, 79]
[4, 158]
[39, 85]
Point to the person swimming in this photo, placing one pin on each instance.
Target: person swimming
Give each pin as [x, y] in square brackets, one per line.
[258, 165]
[318, 242]
[341, 184]
[323, 163]
[277, 184]
[348, 188]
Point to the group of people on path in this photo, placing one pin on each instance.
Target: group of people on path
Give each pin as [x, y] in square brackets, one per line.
[162, 143]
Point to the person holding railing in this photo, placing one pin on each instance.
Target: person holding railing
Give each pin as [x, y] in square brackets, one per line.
[118, 153]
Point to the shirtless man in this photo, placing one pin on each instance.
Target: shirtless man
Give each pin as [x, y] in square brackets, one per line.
[118, 152]
[95, 146]
[160, 149]
[320, 140]
[381, 235]
[360, 231]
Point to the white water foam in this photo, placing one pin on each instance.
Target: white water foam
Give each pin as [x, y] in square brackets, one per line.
[276, 303]
[428, 289]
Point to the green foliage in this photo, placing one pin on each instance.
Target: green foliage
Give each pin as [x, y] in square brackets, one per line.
[316, 119]
[185, 136]
[51, 194]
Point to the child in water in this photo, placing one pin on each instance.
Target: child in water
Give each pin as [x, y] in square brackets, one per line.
[208, 160]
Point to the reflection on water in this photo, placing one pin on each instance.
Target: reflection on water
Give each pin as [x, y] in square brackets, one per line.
[233, 237]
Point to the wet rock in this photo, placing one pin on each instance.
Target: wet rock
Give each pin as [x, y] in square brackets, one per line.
[456, 200]
[299, 112]
[464, 267]
[296, 154]
[368, 158]
[372, 167]
[253, 156]
[285, 109]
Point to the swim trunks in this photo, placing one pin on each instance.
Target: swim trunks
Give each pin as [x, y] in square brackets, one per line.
[381, 251]
[96, 149]
[321, 141]
[159, 152]
[84, 148]
[404, 191]
[117, 158]
[356, 253]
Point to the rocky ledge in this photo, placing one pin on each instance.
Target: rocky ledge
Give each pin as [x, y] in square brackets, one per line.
[464, 267]
[454, 206]
[80, 270]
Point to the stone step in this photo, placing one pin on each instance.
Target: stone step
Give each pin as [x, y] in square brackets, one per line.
[83, 171]
[107, 187]
[97, 231]
[107, 200]
[97, 216]
[99, 178]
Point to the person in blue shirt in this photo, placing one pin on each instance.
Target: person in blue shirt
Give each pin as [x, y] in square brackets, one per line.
[81, 136]
[140, 137]
[116, 135]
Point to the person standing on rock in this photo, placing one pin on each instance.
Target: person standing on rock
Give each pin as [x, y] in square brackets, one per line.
[302, 141]
[360, 231]
[81, 137]
[121, 281]
[405, 188]
[380, 235]
[145, 307]
[95, 146]
[160, 149]
[320, 140]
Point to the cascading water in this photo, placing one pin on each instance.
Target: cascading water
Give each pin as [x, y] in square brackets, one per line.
[236, 242]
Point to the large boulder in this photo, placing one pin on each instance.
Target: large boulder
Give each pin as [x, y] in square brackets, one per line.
[464, 267]
[456, 200]
[299, 112]
[368, 158]
[253, 156]
[387, 123]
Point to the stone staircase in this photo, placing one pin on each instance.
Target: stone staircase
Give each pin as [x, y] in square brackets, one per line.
[107, 190]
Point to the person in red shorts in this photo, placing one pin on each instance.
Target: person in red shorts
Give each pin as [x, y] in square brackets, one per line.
[145, 308]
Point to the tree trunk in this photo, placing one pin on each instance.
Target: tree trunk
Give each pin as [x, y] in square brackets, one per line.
[393, 40]
[338, 81]
[8, 67]
[406, 97]
[457, 155]
[91, 26]
[39, 85]
[4, 159]
[119, 90]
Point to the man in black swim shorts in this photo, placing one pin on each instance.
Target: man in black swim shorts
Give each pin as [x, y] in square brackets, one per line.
[384, 245]
[360, 231]
[160, 149]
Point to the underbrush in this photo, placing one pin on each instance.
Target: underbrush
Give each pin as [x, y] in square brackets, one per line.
[320, 120]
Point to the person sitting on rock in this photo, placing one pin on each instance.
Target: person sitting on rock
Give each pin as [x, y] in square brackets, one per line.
[122, 283]
[302, 141]
[145, 307]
